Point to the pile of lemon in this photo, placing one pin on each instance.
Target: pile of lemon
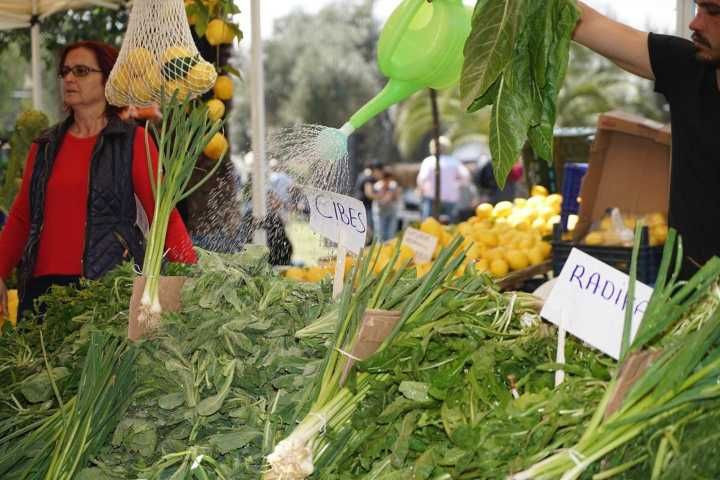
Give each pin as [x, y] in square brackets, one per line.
[499, 239]
[317, 273]
[505, 237]
[605, 233]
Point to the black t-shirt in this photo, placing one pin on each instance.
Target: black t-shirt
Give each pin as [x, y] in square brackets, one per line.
[691, 88]
[363, 180]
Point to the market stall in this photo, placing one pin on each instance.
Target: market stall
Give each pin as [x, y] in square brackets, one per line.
[415, 358]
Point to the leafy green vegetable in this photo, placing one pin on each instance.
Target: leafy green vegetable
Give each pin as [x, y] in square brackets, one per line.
[515, 60]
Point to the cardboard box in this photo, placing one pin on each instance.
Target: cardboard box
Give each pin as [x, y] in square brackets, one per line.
[629, 168]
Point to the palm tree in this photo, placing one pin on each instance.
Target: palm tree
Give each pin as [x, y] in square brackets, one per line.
[414, 121]
[594, 85]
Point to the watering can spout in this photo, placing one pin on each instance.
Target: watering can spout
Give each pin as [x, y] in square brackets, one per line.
[395, 91]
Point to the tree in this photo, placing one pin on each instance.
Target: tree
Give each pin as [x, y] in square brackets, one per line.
[594, 85]
[414, 121]
[321, 68]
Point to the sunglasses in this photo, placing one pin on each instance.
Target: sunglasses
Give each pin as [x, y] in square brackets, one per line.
[78, 71]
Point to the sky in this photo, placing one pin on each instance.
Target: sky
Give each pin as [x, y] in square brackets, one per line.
[655, 15]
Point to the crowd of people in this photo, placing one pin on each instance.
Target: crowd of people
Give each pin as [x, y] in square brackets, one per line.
[461, 189]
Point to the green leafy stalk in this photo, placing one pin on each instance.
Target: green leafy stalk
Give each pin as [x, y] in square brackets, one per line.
[181, 138]
[516, 57]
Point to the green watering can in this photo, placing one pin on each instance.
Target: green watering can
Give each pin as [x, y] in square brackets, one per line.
[421, 46]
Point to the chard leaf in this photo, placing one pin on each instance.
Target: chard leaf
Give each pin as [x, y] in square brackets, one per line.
[510, 118]
[227, 442]
[489, 47]
[415, 391]
[171, 401]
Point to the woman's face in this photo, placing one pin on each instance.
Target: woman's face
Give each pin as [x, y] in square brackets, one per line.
[82, 84]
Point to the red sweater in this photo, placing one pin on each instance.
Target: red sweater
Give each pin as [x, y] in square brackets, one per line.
[62, 238]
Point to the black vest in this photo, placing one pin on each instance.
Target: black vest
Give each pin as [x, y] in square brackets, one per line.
[111, 234]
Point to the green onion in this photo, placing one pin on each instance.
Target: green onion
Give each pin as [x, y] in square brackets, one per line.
[682, 323]
[334, 401]
[181, 139]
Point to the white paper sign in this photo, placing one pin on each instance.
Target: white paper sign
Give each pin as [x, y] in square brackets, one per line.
[423, 244]
[590, 296]
[340, 219]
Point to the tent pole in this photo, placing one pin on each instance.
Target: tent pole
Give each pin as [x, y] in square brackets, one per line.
[259, 169]
[35, 57]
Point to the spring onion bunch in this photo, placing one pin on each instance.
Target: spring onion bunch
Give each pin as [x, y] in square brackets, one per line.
[681, 327]
[183, 133]
[59, 446]
[334, 401]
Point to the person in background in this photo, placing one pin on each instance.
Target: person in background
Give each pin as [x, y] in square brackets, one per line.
[453, 174]
[364, 191]
[85, 185]
[484, 178]
[386, 195]
[280, 203]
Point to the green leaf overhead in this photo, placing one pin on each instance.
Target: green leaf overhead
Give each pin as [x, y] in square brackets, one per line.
[511, 117]
[488, 49]
[515, 60]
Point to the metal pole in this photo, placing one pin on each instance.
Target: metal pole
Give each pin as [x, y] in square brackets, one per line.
[685, 11]
[259, 169]
[35, 57]
[436, 136]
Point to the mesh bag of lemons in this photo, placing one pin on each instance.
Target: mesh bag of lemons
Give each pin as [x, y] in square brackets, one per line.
[158, 57]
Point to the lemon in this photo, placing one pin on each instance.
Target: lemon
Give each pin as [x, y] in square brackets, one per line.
[175, 51]
[595, 238]
[503, 209]
[295, 273]
[223, 88]
[177, 87]
[201, 76]
[482, 265]
[489, 239]
[432, 227]
[484, 210]
[520, 202]
[554, 199]
[218, 32]
[572, 222]
[216, 147]
[406, 254]
[422, 269]
[216, 109]
[120, 82]
[381, 263]
[658, 234]
[315, 274]
[545, 249]
[538, 224]
[493, 254]
[538, 190]
[655, 219]
[516, 259]
[143, 89]
[475, 251]
[499, 267]
[139, 60]
[535, 255]
[536, 201]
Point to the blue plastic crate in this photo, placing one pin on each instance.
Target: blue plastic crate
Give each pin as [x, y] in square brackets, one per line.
[572, 179]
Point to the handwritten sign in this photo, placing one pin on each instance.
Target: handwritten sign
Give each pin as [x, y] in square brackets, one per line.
[589, 300]
[338, 218]
[423, 244]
